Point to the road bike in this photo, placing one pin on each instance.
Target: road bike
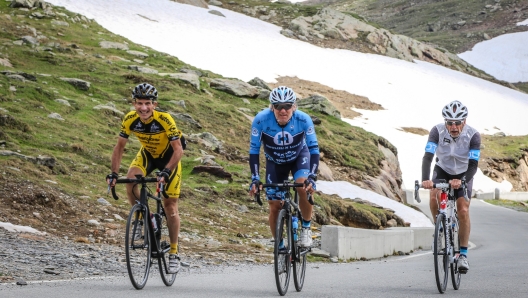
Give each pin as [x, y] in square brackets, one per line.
[292, 255]
[446, 243]
[147, 234]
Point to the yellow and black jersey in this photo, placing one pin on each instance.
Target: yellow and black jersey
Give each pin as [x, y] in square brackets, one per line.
[155, 135]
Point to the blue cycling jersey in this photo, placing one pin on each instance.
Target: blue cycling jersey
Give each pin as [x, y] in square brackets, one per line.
[283, 144]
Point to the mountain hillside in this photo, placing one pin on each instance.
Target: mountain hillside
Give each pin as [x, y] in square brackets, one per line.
[64, 88]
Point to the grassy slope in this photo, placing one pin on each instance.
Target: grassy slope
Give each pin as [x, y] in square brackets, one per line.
[82, 143]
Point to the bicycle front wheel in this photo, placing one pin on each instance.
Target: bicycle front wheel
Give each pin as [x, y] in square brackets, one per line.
[282, 256]
[137, 246]
[299, 267]
[162, 236]
[441, 258]
[455, 274]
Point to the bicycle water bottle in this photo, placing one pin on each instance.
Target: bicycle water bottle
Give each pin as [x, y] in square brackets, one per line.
[295, 226]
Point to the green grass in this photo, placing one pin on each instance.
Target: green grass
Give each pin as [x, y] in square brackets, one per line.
[515, 205]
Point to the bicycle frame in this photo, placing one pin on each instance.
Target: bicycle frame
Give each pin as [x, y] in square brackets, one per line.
[144, 195]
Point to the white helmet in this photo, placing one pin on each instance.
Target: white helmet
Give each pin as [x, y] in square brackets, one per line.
[282, 95]
[455, 110]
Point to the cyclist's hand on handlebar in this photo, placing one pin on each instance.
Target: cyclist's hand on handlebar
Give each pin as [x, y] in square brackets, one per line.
[455, 183]
[164, 175]
[111, 179]
[427, 184]
[309, 184]
[254, 187]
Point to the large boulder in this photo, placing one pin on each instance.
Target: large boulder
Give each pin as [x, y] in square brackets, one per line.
[235, 87]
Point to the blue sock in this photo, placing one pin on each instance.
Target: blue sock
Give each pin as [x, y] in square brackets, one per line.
[463, 251]
[281, 244]
[306, 224]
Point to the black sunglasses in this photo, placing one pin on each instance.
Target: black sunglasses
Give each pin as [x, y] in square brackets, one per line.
[457, 123]
[280, 106]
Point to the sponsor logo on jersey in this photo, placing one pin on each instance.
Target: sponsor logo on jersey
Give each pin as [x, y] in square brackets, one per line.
[139, 127]
[446, 140]
[304, 160]
[254, 132]
[310, 130]
[283, 138]
[154, 127]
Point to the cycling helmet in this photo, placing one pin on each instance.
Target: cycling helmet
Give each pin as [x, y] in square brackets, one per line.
[145, 91]
[282, 95]
[455, 110]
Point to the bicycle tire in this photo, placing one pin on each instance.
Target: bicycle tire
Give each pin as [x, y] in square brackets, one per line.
[441, 258]
[282, 258]
[138, 251]
[299, 267]
[456, 276]
[162, 236]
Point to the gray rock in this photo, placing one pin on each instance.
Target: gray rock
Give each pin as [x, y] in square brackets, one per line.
[142, 69]
[138, 54]
[103, 202]
[319, 103]
[55, 116]
[258, 82]
[216, 12]
[63, 101]
[60, 23]
[24, 3]
[78, 83]
[113, 45]
[235, 87]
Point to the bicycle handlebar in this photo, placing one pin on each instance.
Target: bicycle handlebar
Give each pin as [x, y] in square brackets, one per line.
[139, 180]
[285, 184]
[444, 186]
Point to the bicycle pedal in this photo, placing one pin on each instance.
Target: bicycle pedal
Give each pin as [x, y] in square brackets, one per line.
[184, 264]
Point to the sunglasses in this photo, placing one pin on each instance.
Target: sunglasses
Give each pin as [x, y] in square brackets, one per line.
[280, 106]
[457, 123]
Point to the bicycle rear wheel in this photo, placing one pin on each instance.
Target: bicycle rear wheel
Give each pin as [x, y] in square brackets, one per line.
[137, 246]
[162, 236]
[455, 274]
[441, 258]
[299, 267]
[282, 257]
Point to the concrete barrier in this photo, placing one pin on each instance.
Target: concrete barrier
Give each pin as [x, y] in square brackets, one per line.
[514, 196]
[423, 237]
[353, 243]
[486, 196]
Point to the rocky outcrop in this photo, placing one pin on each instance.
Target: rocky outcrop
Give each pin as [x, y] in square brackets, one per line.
[235, 87]
[332, 24]
[513, 170]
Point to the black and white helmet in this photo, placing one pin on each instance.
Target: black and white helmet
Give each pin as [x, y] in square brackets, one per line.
[282, 94]
[455, 110]
[145, 91]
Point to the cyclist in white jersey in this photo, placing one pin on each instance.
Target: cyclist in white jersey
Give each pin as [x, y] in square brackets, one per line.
[457, 149]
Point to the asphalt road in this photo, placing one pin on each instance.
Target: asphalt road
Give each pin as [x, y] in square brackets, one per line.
[498, 268]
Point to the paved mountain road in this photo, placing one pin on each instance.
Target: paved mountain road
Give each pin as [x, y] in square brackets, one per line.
[498, 265]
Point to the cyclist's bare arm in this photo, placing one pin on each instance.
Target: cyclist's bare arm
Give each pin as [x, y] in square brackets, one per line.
[117, 155]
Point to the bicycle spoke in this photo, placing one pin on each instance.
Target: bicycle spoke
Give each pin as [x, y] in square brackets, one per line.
[137, 247]
[455, 274]
[441, 258]
[282, 264]
[163, 239]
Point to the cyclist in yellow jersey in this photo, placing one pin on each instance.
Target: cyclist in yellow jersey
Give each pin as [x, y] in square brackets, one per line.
[161, 149]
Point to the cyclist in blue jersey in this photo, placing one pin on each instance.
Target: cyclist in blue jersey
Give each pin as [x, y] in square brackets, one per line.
[457, 149]
[290, 146]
